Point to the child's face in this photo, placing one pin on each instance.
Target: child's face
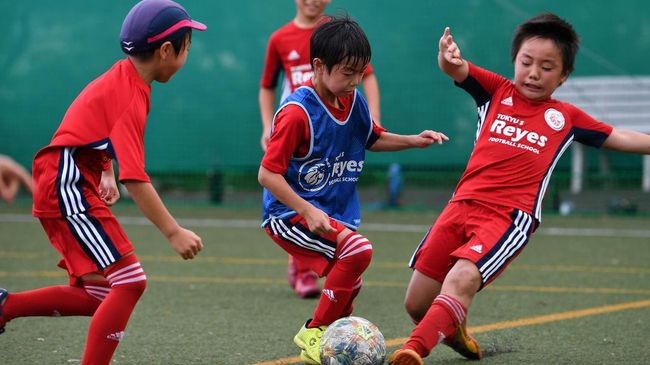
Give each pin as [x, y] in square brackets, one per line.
[343, 78]
[172, 62]
[538, 68]
[311, 8]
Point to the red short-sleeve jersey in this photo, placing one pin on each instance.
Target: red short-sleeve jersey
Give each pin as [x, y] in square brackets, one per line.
[106, 120]
[288, 51]
[519, 142]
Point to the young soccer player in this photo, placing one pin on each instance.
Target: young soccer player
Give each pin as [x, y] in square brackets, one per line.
[12, 176]
[288, 52]
[75, 184]
[496, 207]
[311, 167]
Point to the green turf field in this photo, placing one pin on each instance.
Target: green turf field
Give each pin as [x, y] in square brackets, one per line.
[579, 294]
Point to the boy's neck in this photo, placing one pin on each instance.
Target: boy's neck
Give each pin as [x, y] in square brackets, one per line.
[305, 22]
[144, 70]
[326, 95]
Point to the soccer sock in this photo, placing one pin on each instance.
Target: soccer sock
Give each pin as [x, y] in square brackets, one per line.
[128, 282]
[342, 283]
[441, 321]
[355, 291]
[53, 301]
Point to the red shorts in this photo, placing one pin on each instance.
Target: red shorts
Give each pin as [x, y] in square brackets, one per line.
[87, 244]
[311, 250]
[489, 235]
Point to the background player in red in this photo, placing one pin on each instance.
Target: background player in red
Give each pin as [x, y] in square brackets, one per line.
[496, 206]
[75, 184]
[287, 52]
[12, 176]
[311, 167]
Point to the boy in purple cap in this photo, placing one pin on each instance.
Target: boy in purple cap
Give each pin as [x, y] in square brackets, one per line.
[75, 184]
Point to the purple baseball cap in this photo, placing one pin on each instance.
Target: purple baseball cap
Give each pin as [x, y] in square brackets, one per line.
[150, 22]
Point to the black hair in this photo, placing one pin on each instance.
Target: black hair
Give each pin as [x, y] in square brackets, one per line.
[338, 39]
[177, 39]
[549, 26]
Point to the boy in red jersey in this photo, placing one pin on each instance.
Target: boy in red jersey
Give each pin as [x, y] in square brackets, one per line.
[496, 207]
[311, 168]
[288, 51]
[75, 184]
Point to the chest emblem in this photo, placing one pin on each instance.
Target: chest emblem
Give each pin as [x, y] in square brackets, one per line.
[554, 119]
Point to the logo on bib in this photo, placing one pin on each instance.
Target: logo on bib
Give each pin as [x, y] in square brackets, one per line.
[554, 119]
[316, 176]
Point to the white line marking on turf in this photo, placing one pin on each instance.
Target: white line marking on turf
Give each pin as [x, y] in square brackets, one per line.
[377, 227]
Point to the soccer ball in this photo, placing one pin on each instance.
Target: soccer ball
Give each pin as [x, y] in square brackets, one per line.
[352, 341]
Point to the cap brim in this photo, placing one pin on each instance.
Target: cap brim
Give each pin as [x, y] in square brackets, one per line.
[185, 23]
[197, 25]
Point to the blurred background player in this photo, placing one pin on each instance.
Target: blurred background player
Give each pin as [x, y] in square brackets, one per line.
[76, 184]
[310, 172]
[287, 52]
[496, 206]
[12, 176]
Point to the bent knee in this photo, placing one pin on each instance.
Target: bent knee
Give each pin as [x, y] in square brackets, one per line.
[355, 247]
[415, 309]
[464, 278]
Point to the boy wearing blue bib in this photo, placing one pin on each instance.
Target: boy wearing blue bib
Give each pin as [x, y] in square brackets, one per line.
[311, 167]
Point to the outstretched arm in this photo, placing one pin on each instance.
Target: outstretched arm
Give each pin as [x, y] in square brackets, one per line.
[397, 142]
[625, 140]
[317, 220]
[449, 59]
[185, 242]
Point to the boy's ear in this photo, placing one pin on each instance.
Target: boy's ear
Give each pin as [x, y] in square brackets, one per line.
[564, 78]
[165, 50]
[318, 65]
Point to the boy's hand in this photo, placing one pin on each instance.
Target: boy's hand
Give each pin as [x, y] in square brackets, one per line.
[108, 191]
[318, 222]
[12, 175]
[449, 49]
[186, 243]
[427, 138]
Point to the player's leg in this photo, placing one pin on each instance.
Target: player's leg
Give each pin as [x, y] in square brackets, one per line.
[306, 284]
[76, 299]
[448, 309]
[431, 262]
[343, 281]
[420, 293]
[342, 256]
[292, 271]
[342, 284]
[127, 282]
[52, 301]
[489, 250]
[91, 244]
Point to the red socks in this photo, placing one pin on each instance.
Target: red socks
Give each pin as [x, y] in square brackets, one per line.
[441, 320]
[343, 282]
[50, 301]
[128, 281]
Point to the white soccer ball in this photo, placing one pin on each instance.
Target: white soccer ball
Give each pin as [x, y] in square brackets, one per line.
[352, 341]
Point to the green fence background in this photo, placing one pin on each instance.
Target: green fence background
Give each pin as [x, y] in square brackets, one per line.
[207, 116]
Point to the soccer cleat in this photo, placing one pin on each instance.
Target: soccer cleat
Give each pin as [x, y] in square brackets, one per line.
[307, 285]
[308, 339]
[292, 272]
[405, 357]
[3, 297]
[463, 343]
